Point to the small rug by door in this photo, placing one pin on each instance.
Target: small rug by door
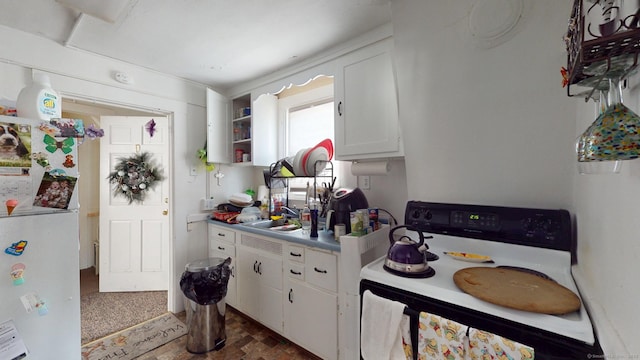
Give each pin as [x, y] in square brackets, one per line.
[136, 340]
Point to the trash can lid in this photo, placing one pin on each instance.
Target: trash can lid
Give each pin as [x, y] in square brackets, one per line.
[204, 264]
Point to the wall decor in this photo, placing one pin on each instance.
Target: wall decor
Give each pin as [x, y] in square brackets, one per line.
[134, 176]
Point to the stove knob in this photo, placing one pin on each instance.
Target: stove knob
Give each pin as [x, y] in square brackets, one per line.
[415, 214]
[528, 224]
[428, 215]
[548, 225]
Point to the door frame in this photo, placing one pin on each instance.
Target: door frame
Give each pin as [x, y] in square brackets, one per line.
[92, 101]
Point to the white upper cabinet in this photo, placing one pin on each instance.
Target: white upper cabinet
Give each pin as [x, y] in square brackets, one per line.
[366, 113]
[217, 128]
[254, 129]
[265, 130]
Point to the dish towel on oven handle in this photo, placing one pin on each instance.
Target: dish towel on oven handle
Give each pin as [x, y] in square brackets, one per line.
[483, 344]
[440, 338]
[382, 328]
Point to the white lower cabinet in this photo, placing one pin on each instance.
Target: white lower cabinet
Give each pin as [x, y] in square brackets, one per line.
[290, 288]
[311, 300]
[259, 280]
[222, 245]
[224, 250]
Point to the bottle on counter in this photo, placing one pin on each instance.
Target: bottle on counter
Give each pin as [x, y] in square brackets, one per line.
[305, 218]
[314, 222]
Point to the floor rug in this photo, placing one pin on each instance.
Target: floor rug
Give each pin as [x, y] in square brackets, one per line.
[137, 340]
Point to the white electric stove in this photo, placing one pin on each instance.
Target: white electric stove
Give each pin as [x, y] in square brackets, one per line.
[534, 240]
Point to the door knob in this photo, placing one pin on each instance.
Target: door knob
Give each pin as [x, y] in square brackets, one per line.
[165, 212]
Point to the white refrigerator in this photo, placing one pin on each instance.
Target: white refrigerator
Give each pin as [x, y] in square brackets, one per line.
[39, 254]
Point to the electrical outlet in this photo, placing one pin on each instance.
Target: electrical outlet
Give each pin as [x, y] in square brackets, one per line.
[365, 182]
[208, 204]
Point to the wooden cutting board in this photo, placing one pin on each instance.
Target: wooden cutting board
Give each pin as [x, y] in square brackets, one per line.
[517, 290]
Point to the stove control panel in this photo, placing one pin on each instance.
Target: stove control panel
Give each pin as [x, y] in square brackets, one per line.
[525, 226]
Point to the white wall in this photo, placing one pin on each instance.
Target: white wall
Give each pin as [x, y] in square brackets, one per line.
[606, 208]
[76, 73]
[494, 126]
[486, 126]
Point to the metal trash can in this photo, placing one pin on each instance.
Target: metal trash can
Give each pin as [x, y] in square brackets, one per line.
[204, 284]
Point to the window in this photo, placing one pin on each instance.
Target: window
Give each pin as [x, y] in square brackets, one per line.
[306, 118]
[309, 124]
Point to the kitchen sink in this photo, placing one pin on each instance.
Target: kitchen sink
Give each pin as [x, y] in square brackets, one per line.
[272, 225]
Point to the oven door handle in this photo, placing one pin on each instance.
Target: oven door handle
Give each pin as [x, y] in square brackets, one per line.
[414, 319]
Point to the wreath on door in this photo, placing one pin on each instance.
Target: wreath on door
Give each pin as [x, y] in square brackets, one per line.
[134, 176]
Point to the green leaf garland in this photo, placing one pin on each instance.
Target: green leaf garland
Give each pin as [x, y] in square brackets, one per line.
[134, 176]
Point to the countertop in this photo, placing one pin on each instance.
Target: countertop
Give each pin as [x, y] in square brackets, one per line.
[324, 240]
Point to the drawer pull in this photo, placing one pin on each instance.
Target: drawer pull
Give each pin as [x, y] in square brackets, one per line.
[220, 248]
[294, 254]
[295, 272]
[291, 296]
[260, 268]
[221, 234]
[255, 266]
[320, 270]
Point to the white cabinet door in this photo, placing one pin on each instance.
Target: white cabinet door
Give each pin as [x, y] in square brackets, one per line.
[264, 133]
[247, 282]
[225, 250]
[217, 128]
[366, 114]
[259, 287]
[311, 319]
[221, 244]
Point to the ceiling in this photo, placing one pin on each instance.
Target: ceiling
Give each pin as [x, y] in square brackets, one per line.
[220, 43]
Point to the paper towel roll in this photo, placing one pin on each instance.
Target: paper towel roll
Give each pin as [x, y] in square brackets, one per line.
[370, 168]
[263, 193]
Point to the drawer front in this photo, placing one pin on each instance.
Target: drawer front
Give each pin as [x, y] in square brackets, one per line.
[295, 271]
[221, 234]
[221, 248]
[321, 270]
[295, 253]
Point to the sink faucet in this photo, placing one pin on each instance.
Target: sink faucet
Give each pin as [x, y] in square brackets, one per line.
[290, 212]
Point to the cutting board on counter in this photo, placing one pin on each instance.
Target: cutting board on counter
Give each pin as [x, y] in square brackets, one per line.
[517, 290]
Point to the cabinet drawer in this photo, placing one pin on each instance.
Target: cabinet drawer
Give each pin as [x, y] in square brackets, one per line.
[221, 248]
[321, 270]
[295, 271]
[221, 234]
[295, 253]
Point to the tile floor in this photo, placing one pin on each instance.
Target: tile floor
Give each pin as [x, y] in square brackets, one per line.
[246, 340]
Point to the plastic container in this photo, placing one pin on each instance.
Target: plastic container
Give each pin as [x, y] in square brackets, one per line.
[39, 100]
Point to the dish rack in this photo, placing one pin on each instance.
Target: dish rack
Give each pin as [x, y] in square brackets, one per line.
[586, 45]
[274, 180]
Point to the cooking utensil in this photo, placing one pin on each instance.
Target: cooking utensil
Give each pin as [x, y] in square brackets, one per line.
[406, 257]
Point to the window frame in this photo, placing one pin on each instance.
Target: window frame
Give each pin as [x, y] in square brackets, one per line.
[316, 96]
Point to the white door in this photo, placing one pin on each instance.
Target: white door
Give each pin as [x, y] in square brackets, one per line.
[134, 237]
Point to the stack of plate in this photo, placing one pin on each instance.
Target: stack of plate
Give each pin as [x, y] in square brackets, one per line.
[306, 159]
[241, 200]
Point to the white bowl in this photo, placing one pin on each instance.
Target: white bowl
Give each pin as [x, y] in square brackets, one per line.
[318, 154]
[297, 162]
